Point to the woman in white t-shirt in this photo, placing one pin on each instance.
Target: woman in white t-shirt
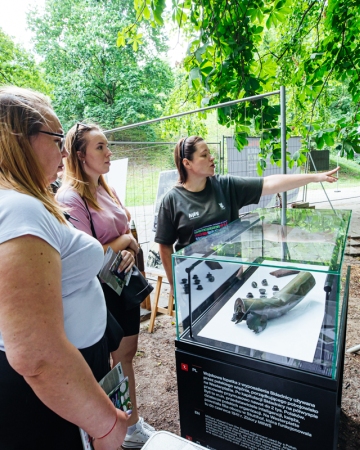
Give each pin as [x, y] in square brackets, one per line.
[52, 308]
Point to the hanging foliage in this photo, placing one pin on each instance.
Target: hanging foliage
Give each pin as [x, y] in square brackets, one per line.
[244, 48]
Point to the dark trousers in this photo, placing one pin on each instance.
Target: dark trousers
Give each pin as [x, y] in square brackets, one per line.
[26, 423]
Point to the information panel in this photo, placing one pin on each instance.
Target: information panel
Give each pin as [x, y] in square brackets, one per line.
[227, 407]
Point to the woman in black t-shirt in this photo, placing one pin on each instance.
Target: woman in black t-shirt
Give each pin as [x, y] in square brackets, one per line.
[203, 203]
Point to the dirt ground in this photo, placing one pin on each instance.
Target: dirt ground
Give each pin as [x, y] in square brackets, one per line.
[156, 376]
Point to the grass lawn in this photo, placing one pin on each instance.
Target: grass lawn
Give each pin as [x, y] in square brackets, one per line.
[142, 182]
[349, 174]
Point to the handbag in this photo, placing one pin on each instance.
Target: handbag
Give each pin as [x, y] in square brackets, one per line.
[113, 332]
[137, 290]
[138, 287]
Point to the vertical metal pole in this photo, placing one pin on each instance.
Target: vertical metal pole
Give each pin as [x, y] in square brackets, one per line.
[337, 175]
[188, 270]
[283, 166]
[283, 148]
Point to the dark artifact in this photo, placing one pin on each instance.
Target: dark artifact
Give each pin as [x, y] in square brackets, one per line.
[183, 281]
[275, 287]
[264, 282]
[195, 277]
[199, 288]
[213, 265]
[211, 279]
[284, 273]
[197, 281]
[257, 311]
[249, 295]
[262, 291]
[263, 296]
[208, 275]
[254, 284]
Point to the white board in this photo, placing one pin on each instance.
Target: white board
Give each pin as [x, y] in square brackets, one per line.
[116, 178]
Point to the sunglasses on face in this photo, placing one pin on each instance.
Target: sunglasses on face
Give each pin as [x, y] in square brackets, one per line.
[61, 143]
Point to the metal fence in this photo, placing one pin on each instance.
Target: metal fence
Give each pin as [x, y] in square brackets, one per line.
[148, 148]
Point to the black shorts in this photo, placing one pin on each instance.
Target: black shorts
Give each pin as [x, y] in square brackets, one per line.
[129, 320]
[26, 422]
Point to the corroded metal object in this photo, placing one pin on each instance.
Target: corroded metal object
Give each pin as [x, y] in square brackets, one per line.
[283, 273]
[258, 311]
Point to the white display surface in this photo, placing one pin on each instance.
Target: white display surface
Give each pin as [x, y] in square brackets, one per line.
[201, 270]
[293, 335]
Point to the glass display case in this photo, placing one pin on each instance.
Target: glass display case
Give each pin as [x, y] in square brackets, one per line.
[261, 319]
[266, 290]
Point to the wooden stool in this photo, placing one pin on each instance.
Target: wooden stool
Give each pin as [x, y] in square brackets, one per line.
[146, 304]
[156, 308]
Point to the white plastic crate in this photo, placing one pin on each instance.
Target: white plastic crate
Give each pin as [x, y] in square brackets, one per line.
[163, 440]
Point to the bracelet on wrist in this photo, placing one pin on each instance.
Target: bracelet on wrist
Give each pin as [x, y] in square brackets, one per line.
[107, 434]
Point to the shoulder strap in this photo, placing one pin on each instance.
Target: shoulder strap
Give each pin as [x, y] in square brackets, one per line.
[91, 221]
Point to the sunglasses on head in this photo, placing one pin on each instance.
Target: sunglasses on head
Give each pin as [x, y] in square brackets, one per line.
[78, 125]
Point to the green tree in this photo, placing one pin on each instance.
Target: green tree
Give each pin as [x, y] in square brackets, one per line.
[17, 67]
[243, 48]
[91, 78]
[180, 100]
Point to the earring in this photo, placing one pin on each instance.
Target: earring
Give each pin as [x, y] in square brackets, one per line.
[84, 162]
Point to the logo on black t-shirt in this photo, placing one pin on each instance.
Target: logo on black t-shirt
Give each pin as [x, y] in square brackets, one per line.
[194, 215]
[221, 206]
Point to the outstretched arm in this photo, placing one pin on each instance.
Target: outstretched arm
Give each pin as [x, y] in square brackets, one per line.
[281, 183]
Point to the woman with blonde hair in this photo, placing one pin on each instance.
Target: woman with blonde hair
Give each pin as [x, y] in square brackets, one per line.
[99, 212]
[52, 308]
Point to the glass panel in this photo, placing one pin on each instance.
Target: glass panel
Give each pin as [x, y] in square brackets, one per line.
[266, 290]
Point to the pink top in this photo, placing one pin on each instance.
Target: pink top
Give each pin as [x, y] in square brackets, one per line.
[110, 222]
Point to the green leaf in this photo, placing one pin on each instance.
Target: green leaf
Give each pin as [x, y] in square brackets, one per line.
[146, 13]
[158, 11]
[260, 166]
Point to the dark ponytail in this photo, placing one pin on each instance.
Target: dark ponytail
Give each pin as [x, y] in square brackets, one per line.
[185, 148]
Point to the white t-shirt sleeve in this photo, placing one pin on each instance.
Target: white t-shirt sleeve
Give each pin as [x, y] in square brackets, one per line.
[22, 215]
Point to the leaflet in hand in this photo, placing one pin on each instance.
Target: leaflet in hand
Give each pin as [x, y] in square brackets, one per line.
[109, 272]
[116, 386]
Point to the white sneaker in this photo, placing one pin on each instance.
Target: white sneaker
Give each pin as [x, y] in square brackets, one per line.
[142, 433]
[146, 425]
